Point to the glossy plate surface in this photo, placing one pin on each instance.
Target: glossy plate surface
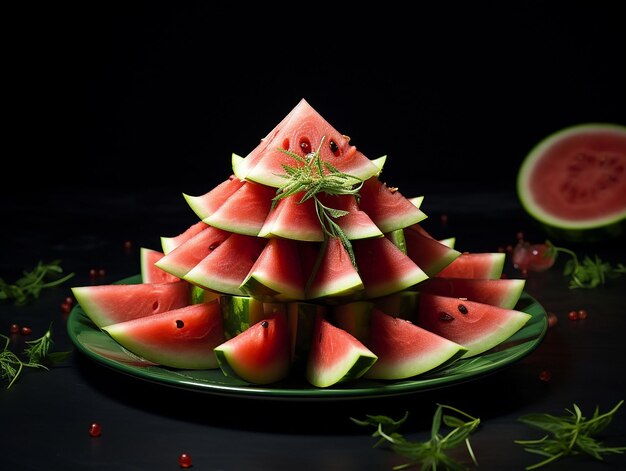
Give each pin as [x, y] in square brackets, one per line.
[100, 347]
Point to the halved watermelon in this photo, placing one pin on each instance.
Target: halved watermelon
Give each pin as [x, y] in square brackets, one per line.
[170, 243]
[502, 292]
[109, 304]
[302, 131]
[187, 255]
[179, 338]
[387, 207]
[487, 265]
[574, 183]
[336, 356]
[477, 326]
[150, 272]
[405, 349]
[260, 355]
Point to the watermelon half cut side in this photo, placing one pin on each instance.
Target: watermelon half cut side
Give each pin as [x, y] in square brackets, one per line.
[180, 338]
[476, 326]
[336, 356]
[109, 304]
[405, 350]
[574, 182]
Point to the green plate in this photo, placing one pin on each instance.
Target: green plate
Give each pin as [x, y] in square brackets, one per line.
[99, 346]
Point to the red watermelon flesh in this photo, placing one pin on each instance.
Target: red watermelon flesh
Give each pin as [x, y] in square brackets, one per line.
[302, 131]
[486, 265]
[429, 254]
[502, 292]
[244, 211]
[226, 267]
[109, 304]
[405, 349]
[206, 204]
[277, 272]
[178, 338]
[261, 354]
[294, 219]
[336, 356]
[387, 207]
[186, 256]
[170, 243]
[477, 326]
[335, 276]
[150, 272]
[384, 268]
[356, 224]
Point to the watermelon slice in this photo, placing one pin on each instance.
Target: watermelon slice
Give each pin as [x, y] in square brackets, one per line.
[477, 326]
[293, 219]
[150, 272]
[276, 274]
[573, 182]
[187, 255]
[387, 207]
[205, 205]
[429, 254]
[405, 350]
[109, 304]
[487, 265]
[302, 131]
[244, 211]
[226, 267]
[170, 243]
[503, 292]
[179, 338]
[383, 267]
[239, 313]
[336, 356]
[260, 355]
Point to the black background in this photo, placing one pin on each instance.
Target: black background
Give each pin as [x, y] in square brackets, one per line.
[157, 95]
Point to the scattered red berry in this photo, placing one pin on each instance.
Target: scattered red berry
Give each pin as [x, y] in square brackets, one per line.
[552, 319]
[26, 330]
[14, 328]
[545, 376]
[444, 219]
[93, 273]
[66, 308]
[582, 314]
[95, 430]
[101, 272]
[184, 460]
[69, 300]
[520, 236]
[128, 245]
[572, 315]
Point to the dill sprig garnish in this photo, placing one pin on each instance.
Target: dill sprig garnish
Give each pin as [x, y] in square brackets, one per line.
[317, 176]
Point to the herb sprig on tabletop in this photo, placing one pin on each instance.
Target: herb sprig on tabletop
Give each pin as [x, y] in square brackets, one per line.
[38, 355]
[430, 454]
[317, 176]
[570, 434]
[32, 282]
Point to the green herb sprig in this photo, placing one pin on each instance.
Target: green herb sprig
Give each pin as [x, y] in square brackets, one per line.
[31, 283]
[317, 176]
[570, 434]
[430, 454]
[38, 355]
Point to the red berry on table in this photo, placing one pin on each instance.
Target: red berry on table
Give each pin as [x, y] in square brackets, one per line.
[545, 376]
[582, 314]
[95, 430]
[552, 319]
[184, 460]
[26, 330]
[14, 329]
[66, 308]
[572, 315]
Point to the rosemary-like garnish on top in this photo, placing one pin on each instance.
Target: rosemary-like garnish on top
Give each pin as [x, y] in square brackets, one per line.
[317, 176]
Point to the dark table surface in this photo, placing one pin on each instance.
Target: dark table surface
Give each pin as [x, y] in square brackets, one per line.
[45, 415]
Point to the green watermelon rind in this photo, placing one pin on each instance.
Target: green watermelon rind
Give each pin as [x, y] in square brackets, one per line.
[611, 225]
[353, 367]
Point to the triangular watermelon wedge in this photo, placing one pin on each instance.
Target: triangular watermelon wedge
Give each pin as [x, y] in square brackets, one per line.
[486, 265]
[206, 204]
[405, 349]
[293, 219]
[502, 292]
[477, 326]
[336, 356]
[429, 254]
[170, 243]
[179, 338]
[302, 131]
[150, 272]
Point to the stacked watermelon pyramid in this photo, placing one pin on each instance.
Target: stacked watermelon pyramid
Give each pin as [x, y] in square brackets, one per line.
[304, 262]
